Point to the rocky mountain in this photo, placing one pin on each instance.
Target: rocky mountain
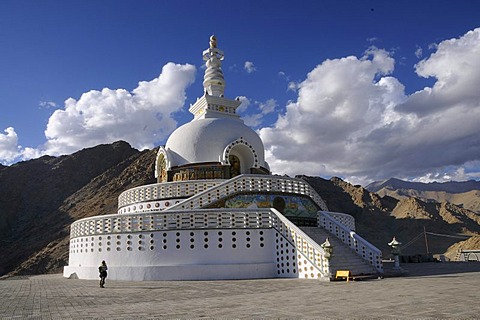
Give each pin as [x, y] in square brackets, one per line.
[40, 198]
[378, 219]
[465, 194]
[449, 187]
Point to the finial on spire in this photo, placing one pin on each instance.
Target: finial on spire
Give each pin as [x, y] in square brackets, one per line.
[213, 42]
[213, 81]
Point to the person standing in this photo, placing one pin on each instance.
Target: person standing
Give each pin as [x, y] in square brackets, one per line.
[103, 273]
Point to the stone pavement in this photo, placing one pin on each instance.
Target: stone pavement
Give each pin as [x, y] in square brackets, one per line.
[430, 291]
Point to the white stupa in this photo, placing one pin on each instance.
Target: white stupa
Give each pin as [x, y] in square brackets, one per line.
[216, 212]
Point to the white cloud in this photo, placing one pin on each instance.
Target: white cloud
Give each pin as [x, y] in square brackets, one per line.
[254, 116]
[293, 86]
[245, 103]
[253, 120]
[47, 104]
[141, 117]
[268, 106]
[353, 120]
[418, 52]
[9, 150]
[249, 67]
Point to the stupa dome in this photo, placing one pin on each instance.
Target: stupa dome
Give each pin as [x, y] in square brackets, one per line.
[209, 140]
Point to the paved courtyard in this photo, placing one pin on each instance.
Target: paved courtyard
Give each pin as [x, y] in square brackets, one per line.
[431, 290]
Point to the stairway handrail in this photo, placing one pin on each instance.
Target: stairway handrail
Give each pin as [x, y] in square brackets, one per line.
[231, 183]
[324, 268]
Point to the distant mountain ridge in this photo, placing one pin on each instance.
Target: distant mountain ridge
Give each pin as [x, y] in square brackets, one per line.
[465, 194]
[450, 186]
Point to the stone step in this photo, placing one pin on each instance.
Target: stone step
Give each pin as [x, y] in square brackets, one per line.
[343, 258]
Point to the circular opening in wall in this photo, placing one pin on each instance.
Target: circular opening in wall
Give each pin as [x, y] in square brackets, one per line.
[248, 233]
[177, 240]
[152, 241]
[164, 234]
[108, 248]
[192, 240]
[178, 246]
[261, 238]
[108, 243]
[151, 235]
[140, 242]
[191, 234]
[206, 239]
[234, 239]
[119, 237]
[220, 233]
[205, 233]
[233, 233]
[164, 240]
[205, 246]
[261, 232]
[164, 247]
[178, 234]
[152, 247]
[234, 246]
[248, 239]
[140, 236]
[192, 246]
[248, 245]
[129, 236]
[262, 245]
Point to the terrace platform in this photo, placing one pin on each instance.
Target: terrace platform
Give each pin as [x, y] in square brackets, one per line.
[431, 290]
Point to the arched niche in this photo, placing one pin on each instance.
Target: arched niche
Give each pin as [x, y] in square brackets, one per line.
[161, 165]
[243, 156]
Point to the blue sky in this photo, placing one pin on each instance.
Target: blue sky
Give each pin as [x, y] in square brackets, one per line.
[364, 90]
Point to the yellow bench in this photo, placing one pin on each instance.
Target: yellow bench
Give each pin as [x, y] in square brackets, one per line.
[343, 274]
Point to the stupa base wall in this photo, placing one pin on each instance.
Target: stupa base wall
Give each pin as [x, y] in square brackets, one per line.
[180, 272]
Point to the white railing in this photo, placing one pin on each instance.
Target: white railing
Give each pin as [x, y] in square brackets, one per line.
[166, 190]
[361, 246]
[344, 219]
[303, 243]
[173, 220]
[250, 183]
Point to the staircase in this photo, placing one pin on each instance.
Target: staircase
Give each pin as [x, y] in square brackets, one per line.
[343, 257]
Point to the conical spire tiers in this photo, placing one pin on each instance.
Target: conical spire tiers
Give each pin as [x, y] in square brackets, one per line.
[213, 104]
[213, 81]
